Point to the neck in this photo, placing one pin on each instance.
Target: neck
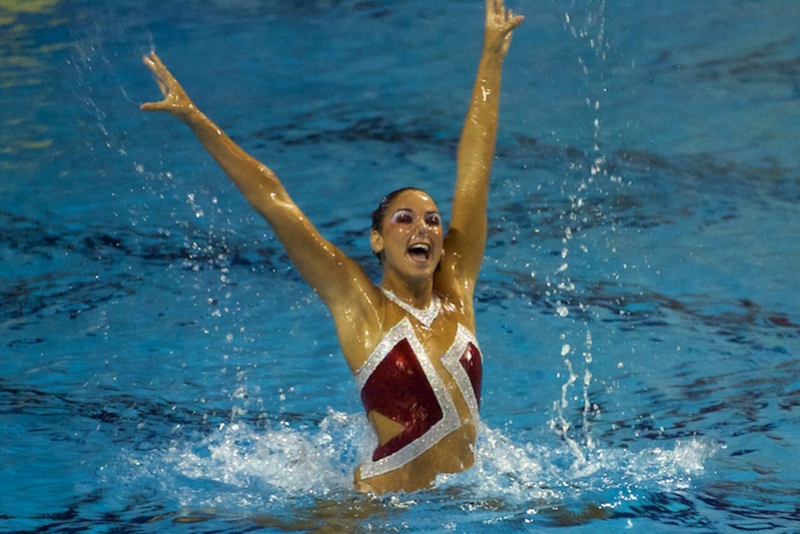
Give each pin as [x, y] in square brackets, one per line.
[415, 293]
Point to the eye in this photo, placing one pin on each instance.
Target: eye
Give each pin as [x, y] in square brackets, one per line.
[433, 219]
[403, 217]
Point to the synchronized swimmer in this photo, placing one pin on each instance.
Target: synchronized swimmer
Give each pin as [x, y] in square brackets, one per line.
[410, 341]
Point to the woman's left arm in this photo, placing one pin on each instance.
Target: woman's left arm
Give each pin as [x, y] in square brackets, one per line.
[466, 237]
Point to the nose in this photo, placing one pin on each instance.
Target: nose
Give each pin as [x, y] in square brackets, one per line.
[423, 227]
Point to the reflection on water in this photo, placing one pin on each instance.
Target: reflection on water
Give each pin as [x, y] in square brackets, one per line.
[13, 11]
[26, 63]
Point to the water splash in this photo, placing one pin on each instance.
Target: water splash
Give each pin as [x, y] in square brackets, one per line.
[544, 475]
[586, 22]
[247, 468]
[560, 423]
[242, 468]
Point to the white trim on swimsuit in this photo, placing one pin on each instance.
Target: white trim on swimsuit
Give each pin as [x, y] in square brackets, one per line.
[425, 316]
[450, 420]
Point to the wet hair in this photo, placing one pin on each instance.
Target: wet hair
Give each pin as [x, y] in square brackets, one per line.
[380, 211]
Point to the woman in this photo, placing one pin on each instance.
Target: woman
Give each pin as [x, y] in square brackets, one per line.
[410, 341]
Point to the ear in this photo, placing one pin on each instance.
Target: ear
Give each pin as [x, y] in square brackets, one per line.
[376, 242]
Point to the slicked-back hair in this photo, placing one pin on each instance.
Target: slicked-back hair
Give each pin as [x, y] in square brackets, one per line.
[380, 211]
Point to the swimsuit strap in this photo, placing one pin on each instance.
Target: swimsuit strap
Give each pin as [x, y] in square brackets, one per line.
[426, 316]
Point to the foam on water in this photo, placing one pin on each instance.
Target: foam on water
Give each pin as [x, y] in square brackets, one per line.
[244, 468]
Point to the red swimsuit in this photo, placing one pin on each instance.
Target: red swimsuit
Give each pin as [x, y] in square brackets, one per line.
[399, 381]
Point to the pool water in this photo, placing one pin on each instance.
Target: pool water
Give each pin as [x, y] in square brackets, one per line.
[165, 368]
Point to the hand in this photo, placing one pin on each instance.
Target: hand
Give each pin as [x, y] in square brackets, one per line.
[499, 25]
[176, 101]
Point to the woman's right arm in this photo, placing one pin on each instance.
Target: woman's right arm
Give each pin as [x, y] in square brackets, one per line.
[335, 277]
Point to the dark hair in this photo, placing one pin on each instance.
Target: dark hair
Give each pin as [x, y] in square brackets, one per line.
[380, 211]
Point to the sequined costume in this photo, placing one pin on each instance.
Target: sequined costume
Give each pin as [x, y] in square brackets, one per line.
[399, 381]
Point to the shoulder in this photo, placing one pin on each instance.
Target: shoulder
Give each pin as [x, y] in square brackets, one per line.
[456, 292]
[457, 309]
[360, 319]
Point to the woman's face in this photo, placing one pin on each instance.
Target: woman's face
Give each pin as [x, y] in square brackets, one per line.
[411, 240]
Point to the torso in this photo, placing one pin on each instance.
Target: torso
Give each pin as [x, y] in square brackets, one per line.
[420, 387]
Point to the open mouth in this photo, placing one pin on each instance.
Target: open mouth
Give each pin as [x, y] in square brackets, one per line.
[420, 251]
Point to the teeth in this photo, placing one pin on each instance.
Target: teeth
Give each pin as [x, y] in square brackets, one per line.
[424, 247]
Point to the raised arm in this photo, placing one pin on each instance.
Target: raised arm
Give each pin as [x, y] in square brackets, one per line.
[466, 237]
[330, 273]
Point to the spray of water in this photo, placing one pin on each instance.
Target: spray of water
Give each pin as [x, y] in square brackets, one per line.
[585, 21]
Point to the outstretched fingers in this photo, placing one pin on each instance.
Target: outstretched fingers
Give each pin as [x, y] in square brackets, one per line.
[153, 63]
[512, 21]
[174, 96]
[497, 15]
[500, 23]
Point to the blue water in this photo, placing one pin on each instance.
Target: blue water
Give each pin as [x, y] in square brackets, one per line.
[165, 369]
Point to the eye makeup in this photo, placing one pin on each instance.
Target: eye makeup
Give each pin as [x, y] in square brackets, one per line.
[406, 216]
